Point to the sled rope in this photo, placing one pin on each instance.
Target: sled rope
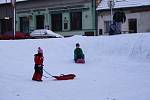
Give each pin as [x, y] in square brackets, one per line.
[45, 76]
[47, 73]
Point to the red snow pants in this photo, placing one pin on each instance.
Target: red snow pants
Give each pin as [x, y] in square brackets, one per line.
[37, 76]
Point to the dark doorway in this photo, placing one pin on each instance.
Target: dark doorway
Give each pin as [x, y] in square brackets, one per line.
[24, 24]
[40, 22]
[56, 22]
[76, 20]
[6, 25]
[132, 25]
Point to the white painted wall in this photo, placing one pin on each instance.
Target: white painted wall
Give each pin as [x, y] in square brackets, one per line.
[144, 22]
[143, 18]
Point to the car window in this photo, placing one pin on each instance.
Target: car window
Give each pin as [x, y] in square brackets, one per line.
[45, 33]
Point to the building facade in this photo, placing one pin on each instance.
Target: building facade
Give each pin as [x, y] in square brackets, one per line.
[6, 18]
[66, 17]
[137, 16]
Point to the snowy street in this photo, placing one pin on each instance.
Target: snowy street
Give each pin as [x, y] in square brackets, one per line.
[117, 68]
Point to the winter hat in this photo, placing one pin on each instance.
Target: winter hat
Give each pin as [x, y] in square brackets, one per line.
[77, 44]
[40, 50]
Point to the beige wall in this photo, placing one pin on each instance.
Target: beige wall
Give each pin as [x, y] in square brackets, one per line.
[143, 18]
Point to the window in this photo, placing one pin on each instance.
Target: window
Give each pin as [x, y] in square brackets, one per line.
[65, 25]
[76, 20]
[106, 26]
[132, 25]
[56, 22]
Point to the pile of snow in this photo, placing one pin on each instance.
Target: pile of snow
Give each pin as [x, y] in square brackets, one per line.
[116, 68]
[134, 46]
[141, 48]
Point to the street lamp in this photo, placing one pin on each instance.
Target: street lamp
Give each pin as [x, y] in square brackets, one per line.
[111, 5]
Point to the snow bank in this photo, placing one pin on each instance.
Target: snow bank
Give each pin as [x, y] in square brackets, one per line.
[140, 48]
[134, 46]
[106, 75]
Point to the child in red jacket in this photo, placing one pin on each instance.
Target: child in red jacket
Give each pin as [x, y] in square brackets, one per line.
[38, 59]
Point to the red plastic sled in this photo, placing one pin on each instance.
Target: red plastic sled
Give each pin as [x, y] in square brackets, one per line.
[65, 77]
[80, 61]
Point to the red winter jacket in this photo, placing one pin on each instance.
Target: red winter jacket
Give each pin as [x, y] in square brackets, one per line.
[38, 59]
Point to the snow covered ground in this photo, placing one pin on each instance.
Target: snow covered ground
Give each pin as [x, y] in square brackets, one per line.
[117, 68]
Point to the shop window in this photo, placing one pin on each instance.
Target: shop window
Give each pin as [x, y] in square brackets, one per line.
[56, 22]
[76, 20]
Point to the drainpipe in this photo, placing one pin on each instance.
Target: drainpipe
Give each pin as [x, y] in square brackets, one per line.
[94, 15]
[96, 19]
[14, 22]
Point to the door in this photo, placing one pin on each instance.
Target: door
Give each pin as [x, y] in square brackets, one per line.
[6, 25]
[132, 25]
[40, 22]
[56, 22]
[76, 20]
[24, 24]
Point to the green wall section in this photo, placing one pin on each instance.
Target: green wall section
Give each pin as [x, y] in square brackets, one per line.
[88, 20]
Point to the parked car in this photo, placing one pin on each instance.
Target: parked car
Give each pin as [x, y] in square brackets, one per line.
[44, 33]
[10, 35]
